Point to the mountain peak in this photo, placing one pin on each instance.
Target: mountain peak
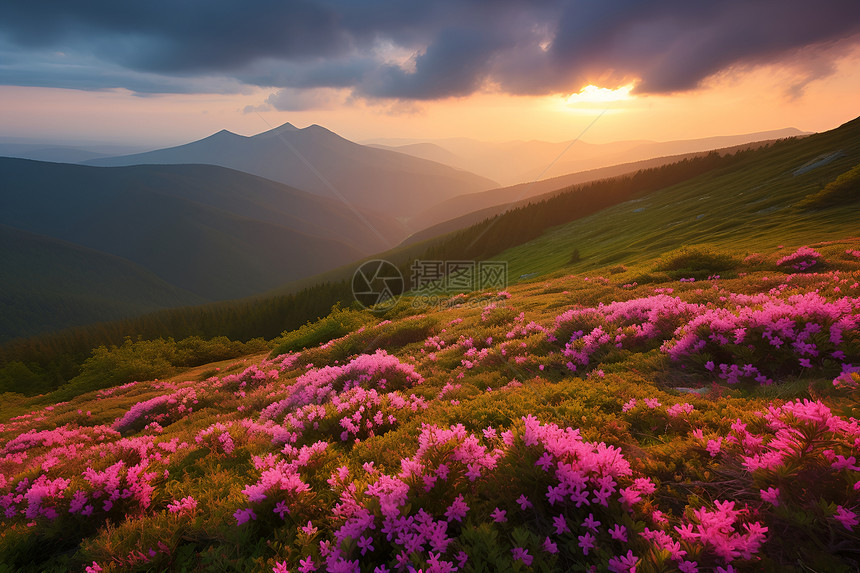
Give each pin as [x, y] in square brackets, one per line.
[223, 134]
[285, 128]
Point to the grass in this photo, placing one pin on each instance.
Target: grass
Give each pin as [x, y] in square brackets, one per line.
[742, 209]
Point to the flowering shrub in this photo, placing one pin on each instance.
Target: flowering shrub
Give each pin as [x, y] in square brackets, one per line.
[801, 260]
[163, 409]
[590, 333]
[772, 339]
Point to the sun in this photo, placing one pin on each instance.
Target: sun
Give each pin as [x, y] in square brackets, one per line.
[595, 94]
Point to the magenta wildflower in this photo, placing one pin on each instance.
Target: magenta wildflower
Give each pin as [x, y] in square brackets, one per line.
[366, 544]
[309, 529]
[280, 567]
[846, 517]
[842, 463]
[586, 542]
[770, 495]
[560, 524]
[549, 546]
[521, 554]
[307, 565]
[457, 510]
[244, 515]
[281, 508]
[624, 564]
[619, 533]
[591, 523]
[545, 461]
[498, 515]
[185, 505]
[524, 502]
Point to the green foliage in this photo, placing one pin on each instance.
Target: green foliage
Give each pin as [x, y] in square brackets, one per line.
[57, 357]
[696, 261]
[339, 322]
[115, 365]
[16, 376]
[839, 192]
[141, 359]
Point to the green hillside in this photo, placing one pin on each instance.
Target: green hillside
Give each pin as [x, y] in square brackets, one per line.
[49, 284]
[753, 205]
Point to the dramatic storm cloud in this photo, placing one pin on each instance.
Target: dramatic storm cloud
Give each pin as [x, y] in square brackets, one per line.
[408, 50]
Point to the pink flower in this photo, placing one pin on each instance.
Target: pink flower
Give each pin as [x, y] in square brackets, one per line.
[688, 567]
[842, 463]
[624, 564]
[185, 505]
[94, 568]
[770, 495]
[243, 515]
[524, 502]
[307, 565]
[560, 524]
[846, 517]
[591, 523]
[714, 446]
[545, 461]
[457, 510]
[309, 529]
[498, 515]
[586, 542]
[281, 508]
[629, 496]
[366, 544]
[280, 567]
[619, 533]
[549, 546]
[521, 554]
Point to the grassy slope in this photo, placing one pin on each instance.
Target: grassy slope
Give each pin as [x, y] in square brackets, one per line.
[464, 210]
[657, 444]
[746, 207]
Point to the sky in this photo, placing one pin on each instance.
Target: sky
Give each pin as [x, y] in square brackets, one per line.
[161, 72]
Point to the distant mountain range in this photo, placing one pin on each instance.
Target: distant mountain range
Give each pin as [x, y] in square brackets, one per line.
[190, 233]
[515, 162]
[231, 216]
[61, 153]
[319, 161]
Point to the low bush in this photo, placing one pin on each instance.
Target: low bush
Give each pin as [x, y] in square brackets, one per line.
[695, 261]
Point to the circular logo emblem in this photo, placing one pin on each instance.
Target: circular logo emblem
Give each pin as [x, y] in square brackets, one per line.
[377, 285]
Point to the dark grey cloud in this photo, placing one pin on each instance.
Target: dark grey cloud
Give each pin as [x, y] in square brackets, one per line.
[457, 46]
